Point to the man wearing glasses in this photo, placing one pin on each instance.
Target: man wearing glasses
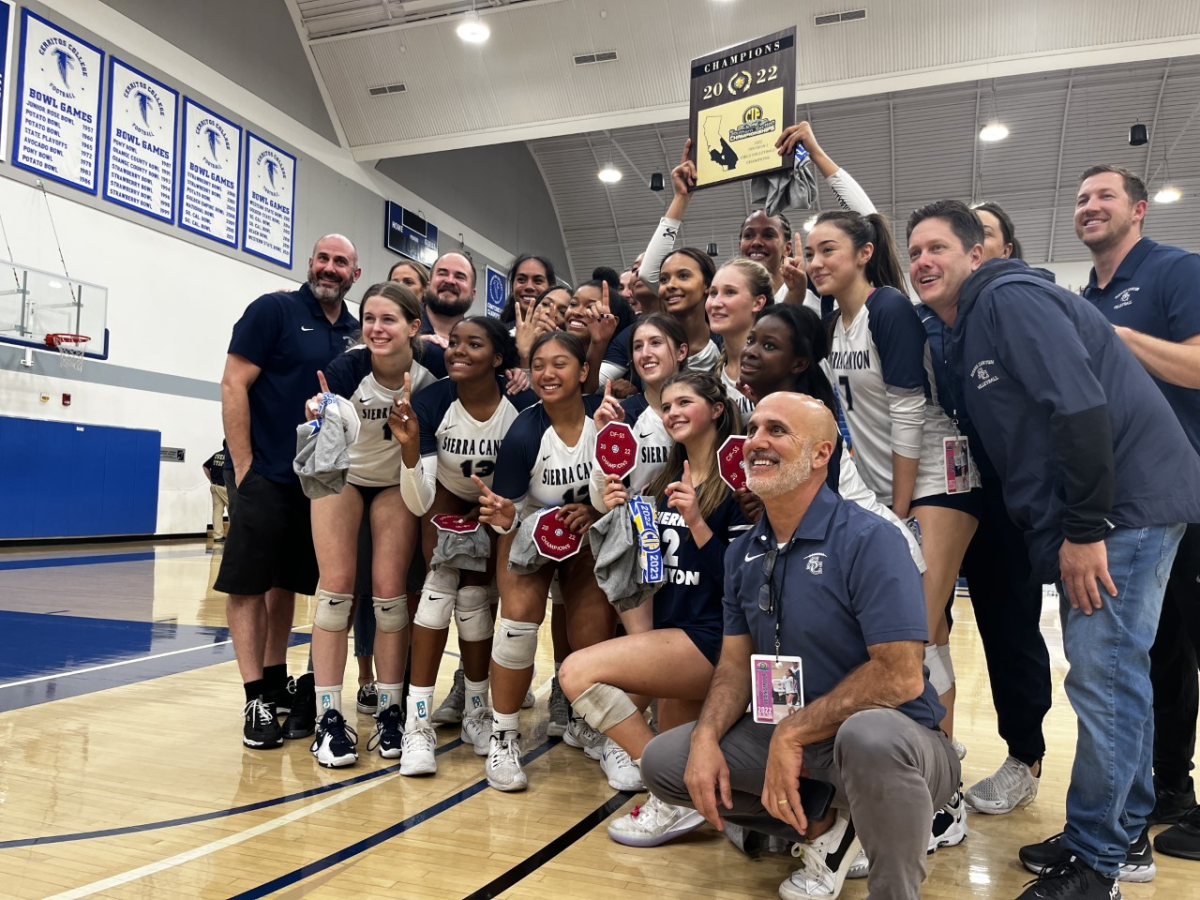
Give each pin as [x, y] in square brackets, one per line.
[831, 588]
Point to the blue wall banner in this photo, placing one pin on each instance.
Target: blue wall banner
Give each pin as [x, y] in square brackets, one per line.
[497, 292]
[208, 183]
[6, 34]
[139, 166]
[270, 201]
[59, 86]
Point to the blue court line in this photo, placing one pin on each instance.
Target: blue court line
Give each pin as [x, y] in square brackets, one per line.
[216, 814]
[374, 840]
[52, 562]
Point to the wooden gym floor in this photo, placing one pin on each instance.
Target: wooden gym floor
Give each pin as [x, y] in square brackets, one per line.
[122, 773]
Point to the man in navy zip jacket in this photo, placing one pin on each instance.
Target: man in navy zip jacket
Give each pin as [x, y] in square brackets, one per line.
[1099, 474]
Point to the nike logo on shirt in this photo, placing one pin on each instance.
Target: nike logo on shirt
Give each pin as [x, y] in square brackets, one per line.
[750, 558]
[302, 328]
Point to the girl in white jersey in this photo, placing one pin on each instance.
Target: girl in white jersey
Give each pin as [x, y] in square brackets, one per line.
[369, 378]
[451, 431]
[739, 290]
[879, 358]
[545, 461]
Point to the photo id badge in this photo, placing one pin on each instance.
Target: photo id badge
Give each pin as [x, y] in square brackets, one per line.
[958, 464]
[778, 684]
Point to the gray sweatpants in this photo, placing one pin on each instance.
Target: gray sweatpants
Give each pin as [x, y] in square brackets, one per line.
[889, 771]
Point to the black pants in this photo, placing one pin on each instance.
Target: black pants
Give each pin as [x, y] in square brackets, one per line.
[1008, 609]
[1173, 667]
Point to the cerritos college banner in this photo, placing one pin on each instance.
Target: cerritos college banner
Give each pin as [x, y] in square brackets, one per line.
[139, 170]
[6, 32]
[270, 201]
[208, 186]
[58, 104]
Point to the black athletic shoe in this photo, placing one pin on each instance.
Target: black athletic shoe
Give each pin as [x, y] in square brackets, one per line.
[1170, 806]
[302, 720]
[367, 700]
[260, 731]
[282, 698]
[1138, 866]
[1183, 838]
[1071, 879]
[336, 742]
[389, 733]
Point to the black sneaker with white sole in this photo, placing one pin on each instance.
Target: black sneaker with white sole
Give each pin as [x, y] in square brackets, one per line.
[1138, 866]
[281, 698]
[1071, 879]
[260, 731]
[949, 827]
[336, 743]
[303, 717]
[367, 700]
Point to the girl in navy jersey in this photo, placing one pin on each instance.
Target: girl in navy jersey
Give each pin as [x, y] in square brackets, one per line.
[451, 431]
[739, 290]
[697, 517]
[369, 378]
[879, 357]
[545, 461]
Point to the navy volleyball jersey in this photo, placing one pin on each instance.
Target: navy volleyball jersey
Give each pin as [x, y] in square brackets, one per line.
[535, 469]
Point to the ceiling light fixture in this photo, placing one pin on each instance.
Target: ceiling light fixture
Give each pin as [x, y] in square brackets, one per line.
[1168, 194]
[610, 174]
[473, 29]
[992, 132]
[810, 223]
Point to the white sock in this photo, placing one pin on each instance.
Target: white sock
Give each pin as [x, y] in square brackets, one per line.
[477, 694]
[504, 722]
[328, 698]
[419, 700]
[389, 694]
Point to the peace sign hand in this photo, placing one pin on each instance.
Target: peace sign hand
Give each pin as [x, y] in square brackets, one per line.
[494, 510]
[793, 272]
[527, 332]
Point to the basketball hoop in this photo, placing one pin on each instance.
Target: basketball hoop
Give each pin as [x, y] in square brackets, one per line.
[71, 348]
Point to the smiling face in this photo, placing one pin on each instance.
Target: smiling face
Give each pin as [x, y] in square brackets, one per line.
[788, 436]
[556, 373]
[681, 286]
[769, 362]
[730, 305]
[385, 329]
[938, 264]
[994, 246]
[576, 318]
[451, 286]
[1105, 215]
[332, 269]
[557, 301]
[762, 240]
[408, 276]
[655, 358]
[687, 415]
[529, 281]
[470, 354]
[833, 265]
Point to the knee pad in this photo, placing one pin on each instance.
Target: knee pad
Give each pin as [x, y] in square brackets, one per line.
[473, 614]
[438, 597]
[556, 594]
[941, 673]
[603, 706]
[391, 613]
[515, 645]
[333, 611]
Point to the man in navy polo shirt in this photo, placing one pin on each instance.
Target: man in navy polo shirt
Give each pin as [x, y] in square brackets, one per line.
[449, 296]
[1099, 474]
[824, 580]
[1149, 292]
[278, 346]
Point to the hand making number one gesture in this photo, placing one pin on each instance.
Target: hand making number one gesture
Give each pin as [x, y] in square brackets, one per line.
[312, 407]
[402, 419]
[494, 510]
[792, 270]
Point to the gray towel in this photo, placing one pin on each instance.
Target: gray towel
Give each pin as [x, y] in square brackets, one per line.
[465, 552]
[523, 556]
[323, 448]
[614, 546]
[795, 189]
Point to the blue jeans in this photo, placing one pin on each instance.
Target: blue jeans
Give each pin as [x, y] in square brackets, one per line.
[1108, 684]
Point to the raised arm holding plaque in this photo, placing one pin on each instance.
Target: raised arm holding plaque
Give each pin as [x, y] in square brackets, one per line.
[742, 99]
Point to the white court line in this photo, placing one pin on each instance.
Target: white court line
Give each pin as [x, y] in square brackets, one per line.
[232, 840]
[123, 662]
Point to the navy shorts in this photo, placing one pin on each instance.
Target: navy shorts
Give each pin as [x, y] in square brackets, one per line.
[270, 543]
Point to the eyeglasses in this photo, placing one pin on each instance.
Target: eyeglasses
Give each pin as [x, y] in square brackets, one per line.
[766, 593]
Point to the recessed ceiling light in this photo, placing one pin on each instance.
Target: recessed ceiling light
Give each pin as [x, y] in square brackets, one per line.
[1168, 194]
[610, 174]
[473, 29]
[992, 132]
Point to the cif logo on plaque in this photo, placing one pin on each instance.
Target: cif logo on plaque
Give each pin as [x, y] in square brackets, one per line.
[742, 99]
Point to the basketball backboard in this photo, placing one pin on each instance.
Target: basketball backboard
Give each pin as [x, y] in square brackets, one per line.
[34, 303]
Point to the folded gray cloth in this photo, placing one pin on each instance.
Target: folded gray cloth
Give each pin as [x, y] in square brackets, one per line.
[794, 189]
[323, 448]
[614, 546]
[523, 556]
[466, 552]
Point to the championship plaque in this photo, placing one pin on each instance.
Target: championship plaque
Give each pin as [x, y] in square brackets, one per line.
[457, 524]
[553, 539]
[742, 99]
[616, 449]
[730, 463]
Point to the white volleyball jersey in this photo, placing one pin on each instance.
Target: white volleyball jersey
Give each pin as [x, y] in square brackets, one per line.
[375, 457]
[535, 469]
[654, 448]
[743, 403]
[881, 367]
[705, 360]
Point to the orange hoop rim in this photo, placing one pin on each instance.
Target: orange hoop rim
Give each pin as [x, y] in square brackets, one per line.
[57, 339]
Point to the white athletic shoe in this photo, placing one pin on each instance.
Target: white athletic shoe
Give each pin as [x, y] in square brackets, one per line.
[860, 868]
[1011, 787]
[584, 737]
[335, 744]
[503, 766]
[622, 772]
[949, 826]
[653, 823]
[960, 749]
[477, 730]
[824, 863]
[451, 710]
[416, 757]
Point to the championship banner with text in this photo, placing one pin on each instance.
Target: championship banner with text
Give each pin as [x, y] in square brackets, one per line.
[139, 170]
[743, 97]
[270, 201]
[6, 32]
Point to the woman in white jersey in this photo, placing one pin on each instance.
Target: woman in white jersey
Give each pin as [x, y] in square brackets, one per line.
[879, 358]
[451, 431]
[683, 283]
[739, 290]
[370, 378]
[545, 462]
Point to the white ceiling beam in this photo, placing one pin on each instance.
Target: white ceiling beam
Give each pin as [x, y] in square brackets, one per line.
[1162, 85]
[1062, 143]
[293, 9]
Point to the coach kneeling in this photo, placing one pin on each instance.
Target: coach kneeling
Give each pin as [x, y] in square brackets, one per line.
[824, 580]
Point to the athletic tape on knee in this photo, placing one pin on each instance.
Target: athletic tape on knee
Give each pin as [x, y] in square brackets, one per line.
[939, 677]
[603, 706]
[333, 611]
[391, 613]
[947, 662]
[437, 601]
[473, 614]
[556, 594]
[515, 645]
